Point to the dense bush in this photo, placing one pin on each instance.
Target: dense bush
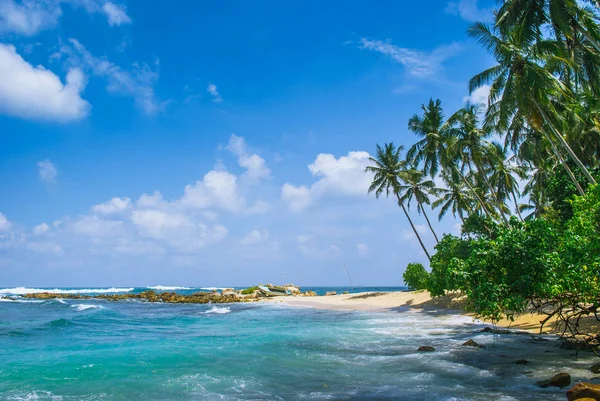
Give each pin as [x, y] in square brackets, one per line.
[415, 276]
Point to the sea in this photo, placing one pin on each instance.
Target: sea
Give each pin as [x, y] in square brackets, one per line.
[64, 349]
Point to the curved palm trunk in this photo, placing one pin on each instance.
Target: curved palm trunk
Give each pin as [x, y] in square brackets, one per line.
[565, 145]
[413, 227]
[428, 223]
[494, 195]
[517, 205]
[481, 202]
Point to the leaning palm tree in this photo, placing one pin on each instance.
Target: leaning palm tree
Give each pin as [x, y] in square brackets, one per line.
[453, 197]
[414, 184]
[386, 166]
[521, 85]
[504, 175]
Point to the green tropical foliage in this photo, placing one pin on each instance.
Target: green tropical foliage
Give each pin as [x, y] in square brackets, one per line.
[415, 276]
[519, 172]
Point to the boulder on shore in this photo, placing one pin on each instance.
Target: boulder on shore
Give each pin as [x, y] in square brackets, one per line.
[561, 380]
[426, 348]
[295, 290]
[472, 343]
[328, 293]
[310, 294]
[584, 390]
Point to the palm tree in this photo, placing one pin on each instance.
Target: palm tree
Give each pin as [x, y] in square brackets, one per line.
[471, 147]
[521, 85]
[387, 165]
[414, 184]
[454, 197]
[504, 170]
[429, 127]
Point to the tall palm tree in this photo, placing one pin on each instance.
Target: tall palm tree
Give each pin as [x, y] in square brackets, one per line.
[505, 173]
[471, 147]
[520, 84]
[414, 184]
[453, 197]
[428, 127]
[387, 164]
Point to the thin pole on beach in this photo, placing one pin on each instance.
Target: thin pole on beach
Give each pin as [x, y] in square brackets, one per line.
[349, 278]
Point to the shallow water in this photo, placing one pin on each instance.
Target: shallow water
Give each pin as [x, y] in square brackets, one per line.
[98, 350]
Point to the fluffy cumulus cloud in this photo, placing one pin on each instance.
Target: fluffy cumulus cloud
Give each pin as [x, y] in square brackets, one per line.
[47, 171]
[256, 167]
[479, 96]
[4, 223]
[470, 10]
[344, 176]
[116, 14]
[29, 17]
[417, 63]
[41, 229]
[255, 237]
[37, 93]
[115, 205]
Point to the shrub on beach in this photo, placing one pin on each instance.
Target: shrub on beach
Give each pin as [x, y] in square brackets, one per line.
[415, 276]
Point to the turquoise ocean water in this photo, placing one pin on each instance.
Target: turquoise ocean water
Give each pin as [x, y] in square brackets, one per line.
[98, 350]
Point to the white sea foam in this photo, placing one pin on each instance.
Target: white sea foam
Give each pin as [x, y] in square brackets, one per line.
[82, 307]
[213, 288]
[169, 288]
[23, 301]
[60, 301]
[218, 310]
[25, 290]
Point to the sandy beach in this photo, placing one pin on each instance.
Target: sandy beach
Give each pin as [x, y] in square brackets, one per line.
[422, 300]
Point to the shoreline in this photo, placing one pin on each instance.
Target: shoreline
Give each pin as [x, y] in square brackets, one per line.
[422, 301]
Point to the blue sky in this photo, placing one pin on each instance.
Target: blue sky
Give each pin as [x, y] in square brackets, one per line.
[215, 143]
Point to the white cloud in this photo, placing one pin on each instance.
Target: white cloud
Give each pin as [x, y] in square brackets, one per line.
[154, 222]
[344, 176]
[28, 17]
[469, 10]
[479, 96]
[214, 93]
[40, 229]
[114, 205]
[363, 249]
[255, 237]
[5, 225]
[37, 93]
[93, 226]
[417, 63]
[138, 83]
[47, 171]
[254, 164]
[116, 14]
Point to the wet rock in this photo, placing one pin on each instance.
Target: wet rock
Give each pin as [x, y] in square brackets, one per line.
[489, 329]
[328, 293]
[580, 344]
[584, 390]
[426, 348]
[345, 292]
[561, 380]
[595, 368]
[472, 343]
[521, 362]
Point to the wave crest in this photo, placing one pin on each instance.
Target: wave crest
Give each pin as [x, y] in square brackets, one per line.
[217, 310]
[25, 290]
[169, 288]
[82, 307]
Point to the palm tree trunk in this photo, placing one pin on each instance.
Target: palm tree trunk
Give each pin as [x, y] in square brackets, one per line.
[565, 145]
[517, 205]
[494, 196]
[474, 192]
[413, 227]
[428, 223]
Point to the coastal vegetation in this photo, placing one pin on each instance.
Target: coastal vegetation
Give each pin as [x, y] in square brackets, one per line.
[520, 172]
[415, 276]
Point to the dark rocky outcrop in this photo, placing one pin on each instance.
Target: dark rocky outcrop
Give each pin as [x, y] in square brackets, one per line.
[561, 380]
[521, 362]
[582, 391]
[489, 329]
[472, 343]
[426, 348]
[595, 368]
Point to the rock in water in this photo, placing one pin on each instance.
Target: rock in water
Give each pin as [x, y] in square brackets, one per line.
[595, 368]
[583, 390]
[426, 348]
[521, 362]
[472, 343]
[561, 380]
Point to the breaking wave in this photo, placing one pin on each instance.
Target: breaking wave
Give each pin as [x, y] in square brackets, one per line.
[25, 290]
[217, 310]
[169, 288]
[82, 307]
